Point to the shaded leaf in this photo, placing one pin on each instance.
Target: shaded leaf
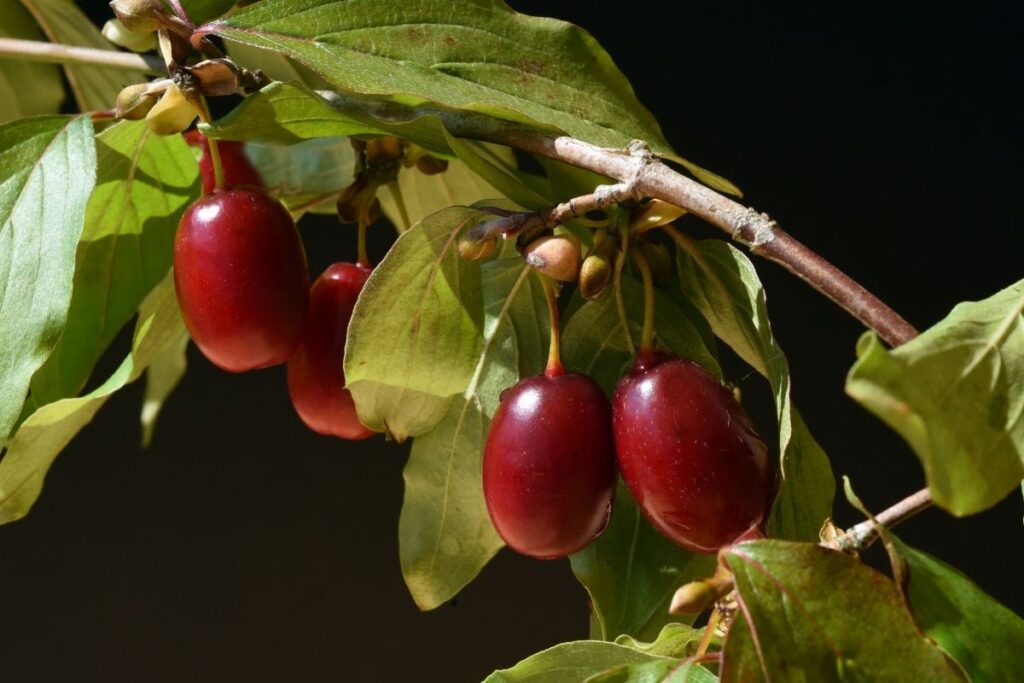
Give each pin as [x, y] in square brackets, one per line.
[162, 376]
[956, 394]
[571, 663]
[95, 87]
[143, 185]
[48, 430]
[815, 614]
[445, 534]
[26, 88]
[415, 335]
[723, 284]
[661, 671]
[631, 570]
[982, 635]
[48, 166]
[675, 640]
[200, 11]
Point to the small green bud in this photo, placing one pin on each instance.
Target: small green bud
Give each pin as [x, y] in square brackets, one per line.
[693, 598]
[134, 102]
[595, 274]
[476, 250]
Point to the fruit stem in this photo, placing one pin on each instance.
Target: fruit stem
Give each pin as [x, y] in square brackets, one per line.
[403, 212]
[620, 304]
[211, 144]
[709, 633]
[364, 260]
[554, 367]
[647, 336]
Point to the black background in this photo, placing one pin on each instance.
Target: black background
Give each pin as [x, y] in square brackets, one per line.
[243, 547]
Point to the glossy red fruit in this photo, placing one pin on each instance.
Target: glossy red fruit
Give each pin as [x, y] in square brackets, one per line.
[316, 380]
[241, 278]
[549, 465]
[689, 453]
[238, 170]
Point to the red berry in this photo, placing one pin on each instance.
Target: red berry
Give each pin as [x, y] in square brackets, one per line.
[689, 453]
[549, 465]
[238, 170]
[316, 380]
[241, 278]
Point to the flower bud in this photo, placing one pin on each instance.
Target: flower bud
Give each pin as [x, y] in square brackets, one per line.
[476, 250]
[119, 35]
[693, 598]
[595, 274]
[141, 16]
[557, 256]
[134, 102]
[655, 214]
[172, 114]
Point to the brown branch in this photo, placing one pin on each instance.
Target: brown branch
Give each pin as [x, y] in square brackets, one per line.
[54, 53]
[862, 535]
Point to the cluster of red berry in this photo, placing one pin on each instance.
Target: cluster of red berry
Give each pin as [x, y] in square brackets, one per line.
[686, 449]
[243, 286]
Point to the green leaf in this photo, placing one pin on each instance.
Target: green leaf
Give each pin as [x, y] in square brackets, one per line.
[476, 55]
[661, 671]
[982, 635]
[143, 185]
[417, 328]
[286, 113]
[48, 165]
[445, 534]
[162, 376]
[571, 663]
[814, 614]
[48, 430]
[956, 394]
[496, 165]
[95, 87]
[200, 11]
[722, 283]
[306, 176]
[274, 65]
[26, 88]
[631, 570]
[675, 640]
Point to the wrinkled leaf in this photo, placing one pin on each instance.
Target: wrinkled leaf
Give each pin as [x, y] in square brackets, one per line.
[95, 87]
[675, 640]
[982, 635]
[415, 335]
[815, 614]
[143, 184]
[956, 394]
[48, 430]
[722, 283]
[476, 55]
[445, 535]
[48, 166]
[631, 571]
[571, 663]
[26, 88]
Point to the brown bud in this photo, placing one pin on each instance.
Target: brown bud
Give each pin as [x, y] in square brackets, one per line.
[141, 16]
[476, 250]
[216, 76]
[134, 102]
[557, 256]
[172, 114]
[379, 150]
[119, 35]
[595, 274]
[693, 598]
[429, 165]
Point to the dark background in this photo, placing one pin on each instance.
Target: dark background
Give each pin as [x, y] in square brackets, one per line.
[243, 547]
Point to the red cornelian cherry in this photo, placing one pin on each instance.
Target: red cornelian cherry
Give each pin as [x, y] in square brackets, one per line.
[689, 453]
[549, 465]
[238, 170]
[241, 278]
[316, 380]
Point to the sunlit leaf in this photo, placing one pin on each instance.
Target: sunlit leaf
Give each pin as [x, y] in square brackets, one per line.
[445, 534]
[571, 663]
[143, 184]
[165, 371]
[417, 329]
[661, 671]
[48, 430]
[722, 283]
[675, 640]
[814, 614]
[48, 166]
[956, 394]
